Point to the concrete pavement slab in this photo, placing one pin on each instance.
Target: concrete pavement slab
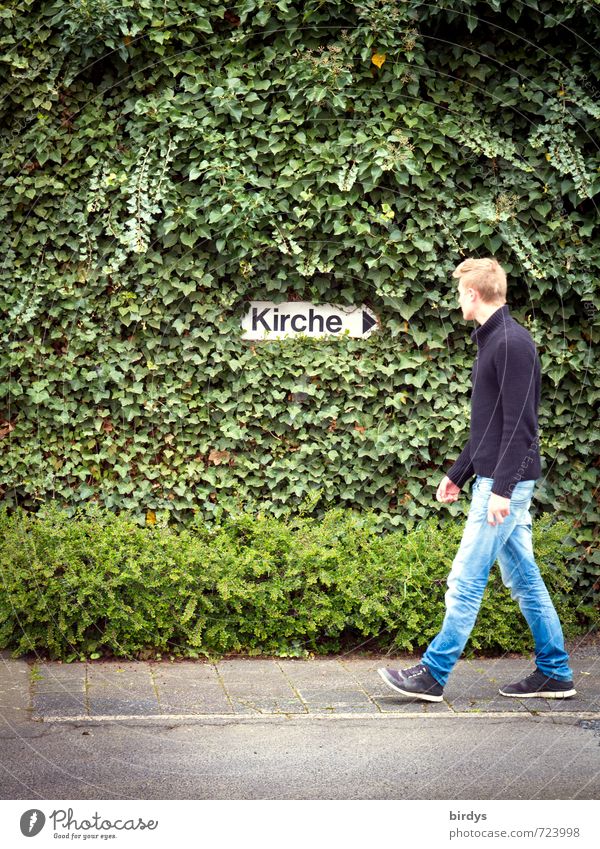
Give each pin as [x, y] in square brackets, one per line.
[56, 677]
[347, 684]
[58, 689]
[123, 687]
[189, 687]
[258, 686]
[57, 704]
[326, 685]
[15, 701]
[473, 686]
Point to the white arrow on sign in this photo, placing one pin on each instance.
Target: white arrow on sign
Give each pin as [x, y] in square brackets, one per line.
[268, 320]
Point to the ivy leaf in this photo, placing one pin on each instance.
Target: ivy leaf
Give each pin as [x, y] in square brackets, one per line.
[422, 244]
[189, 239]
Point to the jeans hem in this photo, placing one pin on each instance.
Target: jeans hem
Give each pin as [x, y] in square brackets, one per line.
[555, 677]
[432, 673]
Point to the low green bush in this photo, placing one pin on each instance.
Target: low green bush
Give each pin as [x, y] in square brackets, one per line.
[98, 583]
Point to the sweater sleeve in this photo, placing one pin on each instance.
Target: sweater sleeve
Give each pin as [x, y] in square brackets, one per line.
[516, 369]
[462, 468]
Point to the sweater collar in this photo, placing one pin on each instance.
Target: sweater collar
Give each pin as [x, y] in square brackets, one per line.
[498, 318]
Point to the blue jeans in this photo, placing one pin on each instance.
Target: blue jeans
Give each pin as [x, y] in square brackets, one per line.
[481, 544]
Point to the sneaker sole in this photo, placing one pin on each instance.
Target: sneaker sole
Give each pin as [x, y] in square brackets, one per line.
[398, 689]
[545, 694]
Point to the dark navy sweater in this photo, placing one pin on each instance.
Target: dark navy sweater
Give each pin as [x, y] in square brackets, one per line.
[503, 442]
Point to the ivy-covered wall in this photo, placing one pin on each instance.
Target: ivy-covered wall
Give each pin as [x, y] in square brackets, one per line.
[164, 162]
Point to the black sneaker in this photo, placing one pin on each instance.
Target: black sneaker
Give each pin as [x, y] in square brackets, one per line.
[416, 681]
[538, 684]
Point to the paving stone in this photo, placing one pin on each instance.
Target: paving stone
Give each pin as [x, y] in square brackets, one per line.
[58, 690]
[373, 662]
[500, 704]
[587, 646]
[61, 671]
[588, 687]
[190, 687]
[118, 672]
[368, 679]
[59, 678]
[55, 704]
[258, 687]
[313, 669]
[121, 688]
[345, 707]
[326, 684]
[344, 684]
[576, 703]
[330, 695]
[337, 699]
[472, 681]
[264, 704]
[134, 706]
[15, 701]
[389, 703]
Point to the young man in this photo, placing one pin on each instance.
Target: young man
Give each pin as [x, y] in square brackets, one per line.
[503, 453]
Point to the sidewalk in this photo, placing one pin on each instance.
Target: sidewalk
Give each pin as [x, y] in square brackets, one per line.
[241, 689]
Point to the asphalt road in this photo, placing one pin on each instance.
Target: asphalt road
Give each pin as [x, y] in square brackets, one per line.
[410, 757]
[272, 729]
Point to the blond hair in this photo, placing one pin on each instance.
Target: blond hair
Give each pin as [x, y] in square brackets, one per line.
[486, 276]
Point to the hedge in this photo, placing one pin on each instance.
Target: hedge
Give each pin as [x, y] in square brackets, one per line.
[99, 585]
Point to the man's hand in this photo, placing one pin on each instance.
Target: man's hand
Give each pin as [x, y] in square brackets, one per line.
[498, 508]
[447, 491]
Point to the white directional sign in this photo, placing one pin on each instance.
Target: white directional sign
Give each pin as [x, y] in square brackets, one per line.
[268, 320]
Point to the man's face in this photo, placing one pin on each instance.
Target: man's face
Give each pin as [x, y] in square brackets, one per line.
[465, 301]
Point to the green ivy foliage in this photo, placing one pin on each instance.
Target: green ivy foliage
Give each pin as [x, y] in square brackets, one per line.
[97, 584]
[163, 163]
